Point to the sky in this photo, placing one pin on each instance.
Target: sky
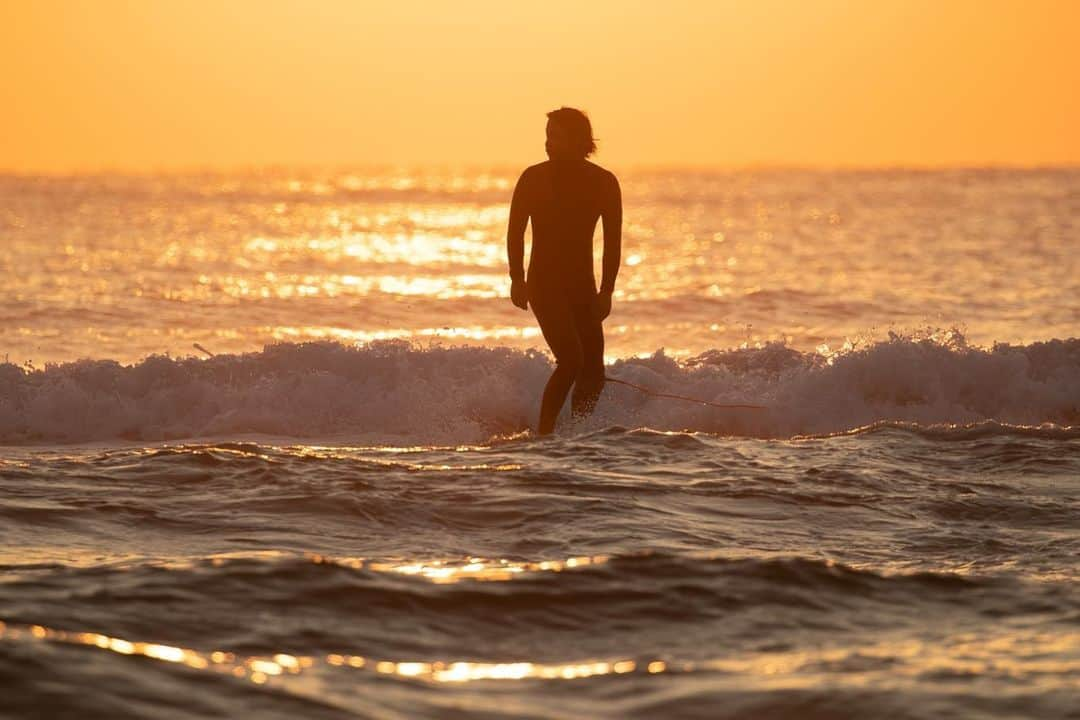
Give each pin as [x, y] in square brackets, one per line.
[92, 85]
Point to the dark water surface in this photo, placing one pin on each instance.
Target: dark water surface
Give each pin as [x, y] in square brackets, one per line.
[888, 572]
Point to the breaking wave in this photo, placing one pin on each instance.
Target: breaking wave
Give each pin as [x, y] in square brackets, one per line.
[397, 393]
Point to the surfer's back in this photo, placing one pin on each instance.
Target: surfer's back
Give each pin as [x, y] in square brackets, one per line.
[565, 201]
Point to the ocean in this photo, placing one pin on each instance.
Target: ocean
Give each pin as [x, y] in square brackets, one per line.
[265, 450]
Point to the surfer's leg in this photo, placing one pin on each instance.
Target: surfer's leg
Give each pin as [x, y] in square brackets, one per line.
[556, 320]
[590, 378]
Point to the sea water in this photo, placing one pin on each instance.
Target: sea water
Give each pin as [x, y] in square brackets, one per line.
[334, 508]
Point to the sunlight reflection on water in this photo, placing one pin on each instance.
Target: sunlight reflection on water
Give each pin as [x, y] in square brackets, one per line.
[1046, 661]
[802, 257]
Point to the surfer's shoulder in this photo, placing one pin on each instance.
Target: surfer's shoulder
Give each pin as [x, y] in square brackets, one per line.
[605, 179]
[601, 172]
[537, 168]
[533, 172]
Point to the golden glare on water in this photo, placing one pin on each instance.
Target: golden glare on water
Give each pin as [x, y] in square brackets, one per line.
[286, 286]
[712, 260]
[438, 571]
[481, 569]
[475, 332]
[1049, 661]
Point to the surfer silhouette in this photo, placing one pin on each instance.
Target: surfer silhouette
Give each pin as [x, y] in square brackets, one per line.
[564, 197]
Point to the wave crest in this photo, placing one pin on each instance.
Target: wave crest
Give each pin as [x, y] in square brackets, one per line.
[394, 392]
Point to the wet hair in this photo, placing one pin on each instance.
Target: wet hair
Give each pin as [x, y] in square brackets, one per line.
[577, 126]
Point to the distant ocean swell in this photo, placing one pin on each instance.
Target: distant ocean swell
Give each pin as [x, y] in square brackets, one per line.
[397, 393]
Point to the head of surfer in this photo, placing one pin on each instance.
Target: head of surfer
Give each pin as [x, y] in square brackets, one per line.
[569, 135]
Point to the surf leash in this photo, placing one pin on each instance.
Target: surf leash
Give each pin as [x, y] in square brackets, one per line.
[653, 393]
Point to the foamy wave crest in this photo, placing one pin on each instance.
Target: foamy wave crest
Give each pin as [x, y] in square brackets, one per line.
[393, 392]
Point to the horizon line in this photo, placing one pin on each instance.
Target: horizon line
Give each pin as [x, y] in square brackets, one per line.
[507, 167]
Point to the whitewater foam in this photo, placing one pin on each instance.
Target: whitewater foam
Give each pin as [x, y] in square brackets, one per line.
[395, 392]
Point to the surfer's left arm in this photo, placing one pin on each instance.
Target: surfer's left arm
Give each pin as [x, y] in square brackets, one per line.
[612, 217]
[515, 243]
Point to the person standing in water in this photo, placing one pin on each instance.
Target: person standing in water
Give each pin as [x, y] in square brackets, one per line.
[565, 196]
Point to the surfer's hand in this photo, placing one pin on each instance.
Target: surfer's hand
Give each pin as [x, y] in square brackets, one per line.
[519, 295]
[602, 305]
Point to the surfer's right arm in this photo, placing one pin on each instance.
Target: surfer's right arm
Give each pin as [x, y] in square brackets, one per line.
[515, 242]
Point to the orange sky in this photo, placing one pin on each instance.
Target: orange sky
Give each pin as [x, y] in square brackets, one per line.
[142, 85]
